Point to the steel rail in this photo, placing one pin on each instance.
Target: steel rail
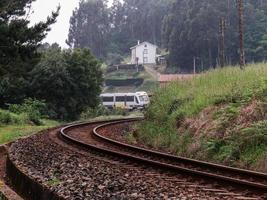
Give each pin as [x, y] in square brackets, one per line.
[196, 163]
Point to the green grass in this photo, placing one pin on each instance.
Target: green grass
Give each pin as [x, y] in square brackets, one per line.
[54, 182]
[12, 132]
[216, 86]
[226, 91]
[149, 85]
[113, 117]
[126, 74]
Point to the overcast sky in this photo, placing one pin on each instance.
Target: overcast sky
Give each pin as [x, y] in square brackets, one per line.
[59, 32]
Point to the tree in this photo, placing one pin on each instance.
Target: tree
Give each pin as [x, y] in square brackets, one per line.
[191, 28]
[89, 27]
[18, 48]
[69, 81]
[114, 30]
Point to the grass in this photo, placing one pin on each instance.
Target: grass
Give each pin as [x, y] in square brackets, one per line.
[226, 91]
[12, 132]
[123, 74]
[149, 85]
[54, 181]
[113, 117]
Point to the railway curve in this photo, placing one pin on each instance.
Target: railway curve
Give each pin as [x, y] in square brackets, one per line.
[62, 149]
[234, 176]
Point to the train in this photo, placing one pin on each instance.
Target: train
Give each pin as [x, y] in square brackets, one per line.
[129, 101]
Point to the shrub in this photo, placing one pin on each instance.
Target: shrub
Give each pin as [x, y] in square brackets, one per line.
[102, 111]
[94, 112]
[74, 78]
[32, 107]
[7, 118]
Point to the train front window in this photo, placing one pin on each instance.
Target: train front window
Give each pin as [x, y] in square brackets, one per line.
[136, 100]
[143, 98]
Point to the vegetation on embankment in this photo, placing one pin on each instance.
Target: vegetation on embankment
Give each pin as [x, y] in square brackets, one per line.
[148, 84]
[14, 126]
[220, 116]
[10, 133]
[23, 119]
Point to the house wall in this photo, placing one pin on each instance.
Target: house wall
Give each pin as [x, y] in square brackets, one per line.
[146, 53]
[133, 56]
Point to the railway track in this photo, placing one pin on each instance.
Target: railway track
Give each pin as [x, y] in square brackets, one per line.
[238, 178]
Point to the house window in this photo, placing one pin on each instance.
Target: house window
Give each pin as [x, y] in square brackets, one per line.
[145, 60]
[145, 51]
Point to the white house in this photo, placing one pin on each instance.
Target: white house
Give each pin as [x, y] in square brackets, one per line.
[144, 53]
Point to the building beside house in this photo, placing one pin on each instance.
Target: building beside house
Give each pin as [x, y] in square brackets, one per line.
[144, 53]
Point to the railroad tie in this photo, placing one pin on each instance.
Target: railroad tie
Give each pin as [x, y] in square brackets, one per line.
[246, 198]
[228, 194]
[214, 190]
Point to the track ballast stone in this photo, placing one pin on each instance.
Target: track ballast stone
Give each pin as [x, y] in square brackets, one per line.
[77, 176]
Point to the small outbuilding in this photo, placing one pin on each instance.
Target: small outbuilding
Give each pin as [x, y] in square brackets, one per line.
[144, 53]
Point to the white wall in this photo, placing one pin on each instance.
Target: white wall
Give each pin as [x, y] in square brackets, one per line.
[140, 53]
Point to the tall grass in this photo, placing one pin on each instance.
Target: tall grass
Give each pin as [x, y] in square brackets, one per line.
[225, 85]
[179, 100]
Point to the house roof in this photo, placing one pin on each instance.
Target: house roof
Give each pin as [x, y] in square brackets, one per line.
[165, 78]
[142, 44]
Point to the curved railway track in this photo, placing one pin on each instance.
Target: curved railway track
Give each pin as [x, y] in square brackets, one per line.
[245, 179]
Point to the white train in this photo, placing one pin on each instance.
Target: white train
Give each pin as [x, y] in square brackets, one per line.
[130, 101]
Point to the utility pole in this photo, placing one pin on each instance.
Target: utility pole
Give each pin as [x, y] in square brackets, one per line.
[241, 33]
[194, 66]
[222, 36]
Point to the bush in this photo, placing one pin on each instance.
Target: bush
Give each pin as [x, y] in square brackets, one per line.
[74, 78]
[35, 110]
[102, 111]
[7, 118]
[94, 112]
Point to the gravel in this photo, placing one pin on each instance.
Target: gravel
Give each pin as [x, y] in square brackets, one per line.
[81, 176]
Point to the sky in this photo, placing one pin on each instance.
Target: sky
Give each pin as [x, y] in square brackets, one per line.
[43, 8]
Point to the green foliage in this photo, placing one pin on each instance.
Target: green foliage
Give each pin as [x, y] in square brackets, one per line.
[229, 85]
[32, 107]
[190, 29]
[247, 146]
[18, 48]
[114, 59]
[7, 118]
[95, 26]
[94, 112]
[186, 28]
[91, 113]
[16, 130]
[74, 78]
[111, 31]
[227, 89]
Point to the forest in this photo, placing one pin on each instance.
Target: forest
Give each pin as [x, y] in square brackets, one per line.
[67, 81]
[187, 29]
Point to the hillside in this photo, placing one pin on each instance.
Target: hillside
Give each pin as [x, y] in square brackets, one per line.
[220, 116]
[122, 80]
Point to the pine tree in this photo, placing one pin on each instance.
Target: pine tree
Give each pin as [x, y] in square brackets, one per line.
[18, 47]
[89, 27]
